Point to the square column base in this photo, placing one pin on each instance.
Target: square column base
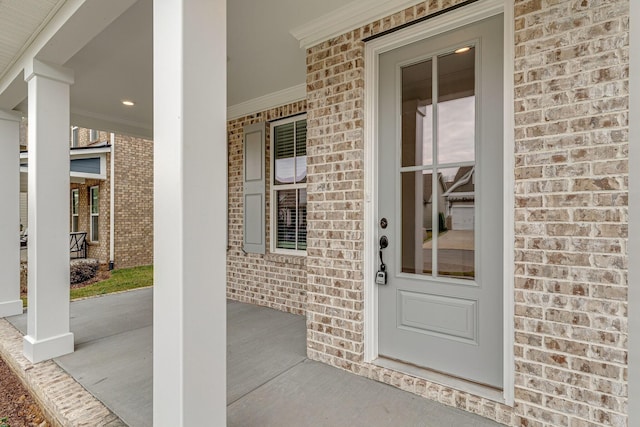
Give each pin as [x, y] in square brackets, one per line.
[37, 351]
[10, 308]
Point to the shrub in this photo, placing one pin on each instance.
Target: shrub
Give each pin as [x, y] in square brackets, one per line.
[82, 271]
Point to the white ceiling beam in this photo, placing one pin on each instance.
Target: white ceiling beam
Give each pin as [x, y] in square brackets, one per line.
[91, 120]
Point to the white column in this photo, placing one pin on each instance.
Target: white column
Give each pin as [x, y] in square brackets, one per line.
[189, 386]
[48, 333]
[10, 303]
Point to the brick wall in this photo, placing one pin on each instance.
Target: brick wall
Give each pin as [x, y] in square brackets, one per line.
[133, 210]
[272, 280]
[84, 139]
[571, 101]
[100, 249]
[133, 238]
[571, 197]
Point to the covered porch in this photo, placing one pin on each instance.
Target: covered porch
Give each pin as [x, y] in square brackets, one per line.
[270, 380]
[196, 75]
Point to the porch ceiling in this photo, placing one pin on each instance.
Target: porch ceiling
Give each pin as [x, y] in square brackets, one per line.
[109, 47]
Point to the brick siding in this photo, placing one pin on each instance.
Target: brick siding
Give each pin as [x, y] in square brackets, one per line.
[571, 101]
[133, 210]
[99, 249]
[133, 235]
[272, 280]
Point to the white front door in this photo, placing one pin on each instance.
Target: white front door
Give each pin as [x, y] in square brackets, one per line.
[440, 190]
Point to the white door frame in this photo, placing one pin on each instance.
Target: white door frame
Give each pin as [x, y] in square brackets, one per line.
[431, 27]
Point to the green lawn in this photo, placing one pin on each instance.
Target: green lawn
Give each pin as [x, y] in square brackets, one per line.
[120, 280]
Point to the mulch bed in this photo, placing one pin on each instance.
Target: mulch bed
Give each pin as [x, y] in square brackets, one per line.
[100, 276]
[16, 404]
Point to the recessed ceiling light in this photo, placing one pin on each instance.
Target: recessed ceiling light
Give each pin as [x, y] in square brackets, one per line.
[128, 103]
[463, 49]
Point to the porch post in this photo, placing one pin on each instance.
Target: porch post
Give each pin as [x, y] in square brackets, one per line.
[10, 303]
[189, 386]
[48, 333]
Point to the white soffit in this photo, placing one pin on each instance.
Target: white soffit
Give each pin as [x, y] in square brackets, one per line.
[20, 22]
[271, 100]
[348, 17]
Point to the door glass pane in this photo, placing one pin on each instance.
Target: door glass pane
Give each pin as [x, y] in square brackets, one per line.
[456, 107]
[417, 221]
[456, 241]
[417, 114]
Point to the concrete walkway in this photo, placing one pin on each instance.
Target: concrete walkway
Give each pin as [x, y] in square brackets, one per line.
[270, 380]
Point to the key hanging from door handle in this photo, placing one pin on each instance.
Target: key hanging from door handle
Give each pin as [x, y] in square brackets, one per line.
[381, 275]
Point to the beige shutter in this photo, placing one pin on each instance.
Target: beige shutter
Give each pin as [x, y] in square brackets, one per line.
[254, 188]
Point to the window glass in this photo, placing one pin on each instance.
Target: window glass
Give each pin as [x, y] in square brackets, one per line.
[75, 137]
[95, 236]
[94, 200]
[287, 219]
[74, 210]
[284, 154]
[94, 208]
[301, 151]
[417, 114]
[438, 168]
[289, 194]
[302, 219]
[74, 202]
[456, 107]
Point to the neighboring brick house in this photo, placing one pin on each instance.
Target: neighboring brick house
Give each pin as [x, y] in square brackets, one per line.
[567, 309]
[132, 170]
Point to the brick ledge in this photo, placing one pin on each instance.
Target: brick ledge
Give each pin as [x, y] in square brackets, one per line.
[64, 401]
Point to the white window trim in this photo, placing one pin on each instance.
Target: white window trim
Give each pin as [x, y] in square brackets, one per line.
[274, 188]
[73, 205]
[75, 136]
[446, 22]
[91, 214]
[92, 133]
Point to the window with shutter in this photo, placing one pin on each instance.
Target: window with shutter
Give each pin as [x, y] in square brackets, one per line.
[289, 188]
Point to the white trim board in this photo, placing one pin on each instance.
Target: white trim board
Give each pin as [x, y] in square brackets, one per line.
[440, 24]
[265, 102]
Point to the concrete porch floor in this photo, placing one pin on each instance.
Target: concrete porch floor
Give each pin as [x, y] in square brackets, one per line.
[270, 382]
